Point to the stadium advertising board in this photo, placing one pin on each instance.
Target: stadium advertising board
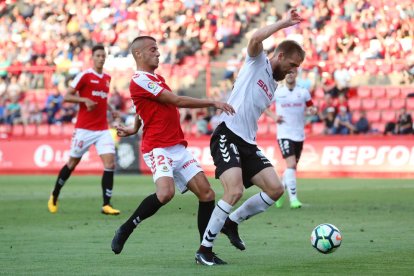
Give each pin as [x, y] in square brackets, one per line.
[347, 156]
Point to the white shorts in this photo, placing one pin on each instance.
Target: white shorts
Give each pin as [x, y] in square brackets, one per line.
[82, 140]
[176, 162]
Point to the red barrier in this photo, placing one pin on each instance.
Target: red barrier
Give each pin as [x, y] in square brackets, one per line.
[42, 156]
[327, 156]
[324, 156]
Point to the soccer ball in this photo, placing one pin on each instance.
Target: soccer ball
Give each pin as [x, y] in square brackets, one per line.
[326, 238]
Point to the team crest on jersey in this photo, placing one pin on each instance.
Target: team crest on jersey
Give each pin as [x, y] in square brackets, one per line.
[107, 83]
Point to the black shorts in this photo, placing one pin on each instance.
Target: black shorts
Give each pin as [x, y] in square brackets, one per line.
[289, 147]
[229, 150]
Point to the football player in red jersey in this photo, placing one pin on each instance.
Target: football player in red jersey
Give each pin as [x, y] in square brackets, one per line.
[90, 89]
[163, 144]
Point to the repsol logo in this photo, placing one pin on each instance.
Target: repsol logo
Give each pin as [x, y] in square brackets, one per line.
[394, 156]
[264, 87]
[101, 94]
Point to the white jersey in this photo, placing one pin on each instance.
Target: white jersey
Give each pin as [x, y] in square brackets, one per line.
[292, 106]
[252, 93]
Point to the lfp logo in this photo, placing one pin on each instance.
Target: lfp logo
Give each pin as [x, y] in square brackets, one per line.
[151, 85]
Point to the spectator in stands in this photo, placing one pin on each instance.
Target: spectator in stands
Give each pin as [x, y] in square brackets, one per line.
[326, 106]
[304, 80]
[404, 123]
[2, 110]
[3, 88]
[14, 90]
[31, 113]
[343, 122]
[328, 85]
[342, 101]
[342, 78]
[202, 123]
[187, 117]
[362, 126]
[53, 104]
[116, 101]
[67, 113]
[215, 119]
[13, 112]
[231, 68]
[329, 120]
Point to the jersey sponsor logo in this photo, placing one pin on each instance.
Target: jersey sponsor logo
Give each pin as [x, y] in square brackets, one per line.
[291, 105]
[101, 94]
[188, 163]
[264, 87]
[94, 81]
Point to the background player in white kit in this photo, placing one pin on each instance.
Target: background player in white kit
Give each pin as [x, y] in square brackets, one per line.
[292, 102]
[233, 146]
[90, 89]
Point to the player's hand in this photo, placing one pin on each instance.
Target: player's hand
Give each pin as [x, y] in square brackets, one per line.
[280, 120]
[225, 107]
[116, 114]
[123, 131]
[90, 105]
[292, 17]
[312, 110]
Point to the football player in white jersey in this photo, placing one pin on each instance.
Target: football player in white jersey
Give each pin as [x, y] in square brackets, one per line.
[239, 162]
[292, 102]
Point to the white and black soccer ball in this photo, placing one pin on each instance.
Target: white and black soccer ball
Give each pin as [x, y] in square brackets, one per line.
[326, 238]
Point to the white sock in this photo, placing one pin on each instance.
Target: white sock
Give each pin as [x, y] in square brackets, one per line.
[254, 205]
[289, 178]
[218, 217]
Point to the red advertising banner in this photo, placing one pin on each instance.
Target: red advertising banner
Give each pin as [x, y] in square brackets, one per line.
[327, 156]
[43, 156]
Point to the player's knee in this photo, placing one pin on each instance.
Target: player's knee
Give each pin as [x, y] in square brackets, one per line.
[275, 192]
[207, 195]
[110, 166]
[234, 195]
[165, 196]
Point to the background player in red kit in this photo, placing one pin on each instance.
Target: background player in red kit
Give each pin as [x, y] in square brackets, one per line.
[90, 89]
[163, 143]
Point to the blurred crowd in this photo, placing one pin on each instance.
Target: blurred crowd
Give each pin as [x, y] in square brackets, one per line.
[59, 34]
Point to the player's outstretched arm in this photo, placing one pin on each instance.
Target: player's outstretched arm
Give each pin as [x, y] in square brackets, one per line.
[255, 46]
[123, 131]
[183, 101]
[278, 119]
[72, 97]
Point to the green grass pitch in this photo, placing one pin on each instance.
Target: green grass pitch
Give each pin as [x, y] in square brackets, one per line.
[375, 217]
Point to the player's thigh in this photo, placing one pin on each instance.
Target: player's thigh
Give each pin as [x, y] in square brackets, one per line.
[200, 186]
[268, 180]
[104, 143]
[82, 140]
[253, 161]
[158, 161]
[290, 161]
[108, 161]
[232, 180]
[186, 168]
[224, 150]
[287, 147]
[165, 189]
